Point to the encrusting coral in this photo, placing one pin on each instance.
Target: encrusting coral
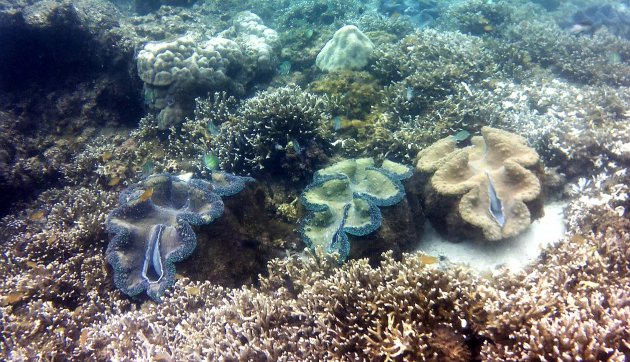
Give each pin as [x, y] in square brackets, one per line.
[152, 227]
[344, 199]
[488, 190]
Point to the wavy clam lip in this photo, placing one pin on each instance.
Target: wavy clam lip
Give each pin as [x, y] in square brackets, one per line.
[345, 197]
[153, 227]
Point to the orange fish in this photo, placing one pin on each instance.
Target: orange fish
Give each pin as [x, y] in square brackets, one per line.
[38, 215]
[428, 259]
[146, 194]
[114, 181]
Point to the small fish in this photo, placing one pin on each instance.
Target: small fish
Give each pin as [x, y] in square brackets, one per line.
[107, 155]
[613, 58]
[284, 68]
[147, 168]
[409, 93]
[296, 146]
[337, 123]
[495, 208]
[37, 216]
[185, 177]
[114, 181]
[212, 128]
[146, 194]
[309, 33]
[461, 135]
[428, 259]
[211, 161]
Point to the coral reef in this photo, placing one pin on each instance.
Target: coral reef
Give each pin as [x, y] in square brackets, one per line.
[320, 313]
[352, 93]
[574, 304]
[489, 190]
[348, 49]
[152, 227]
[72, 136]
[344, 199]
[175, 72]
[280, 133]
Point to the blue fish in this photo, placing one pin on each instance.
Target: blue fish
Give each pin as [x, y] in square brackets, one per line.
[337, 123]
[495, 208]
[147, 168]
[461, 135]
[284, 68]
[212, 128]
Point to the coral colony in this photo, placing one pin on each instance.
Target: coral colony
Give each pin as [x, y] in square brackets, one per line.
[434, 180]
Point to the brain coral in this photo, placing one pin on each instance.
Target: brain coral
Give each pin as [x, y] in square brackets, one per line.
[175, 71]
[489, 190]
[152, 227]
[344, 199]
[348, 49]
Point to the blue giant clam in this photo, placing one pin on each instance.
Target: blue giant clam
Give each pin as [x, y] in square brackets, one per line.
[153, 227]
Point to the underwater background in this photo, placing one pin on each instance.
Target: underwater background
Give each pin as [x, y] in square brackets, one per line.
[317, 180]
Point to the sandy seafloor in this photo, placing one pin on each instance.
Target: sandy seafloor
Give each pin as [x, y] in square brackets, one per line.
[98, 97]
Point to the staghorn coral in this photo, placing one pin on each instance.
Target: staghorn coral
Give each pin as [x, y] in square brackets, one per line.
[318, 312]
[574, 305]
[489, 190]
[55, 281]
[278, 132]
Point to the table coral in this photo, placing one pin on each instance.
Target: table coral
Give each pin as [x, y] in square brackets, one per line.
[344, 199]
[152, 227]
[489, 190]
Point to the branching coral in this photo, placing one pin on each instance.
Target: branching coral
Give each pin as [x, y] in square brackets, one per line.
[574, 305]
[278, 132]
[319, 313]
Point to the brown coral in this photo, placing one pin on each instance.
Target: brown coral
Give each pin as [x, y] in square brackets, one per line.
[490, 189]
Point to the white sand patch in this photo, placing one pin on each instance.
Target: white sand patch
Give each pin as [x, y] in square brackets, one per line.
[512, 254]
